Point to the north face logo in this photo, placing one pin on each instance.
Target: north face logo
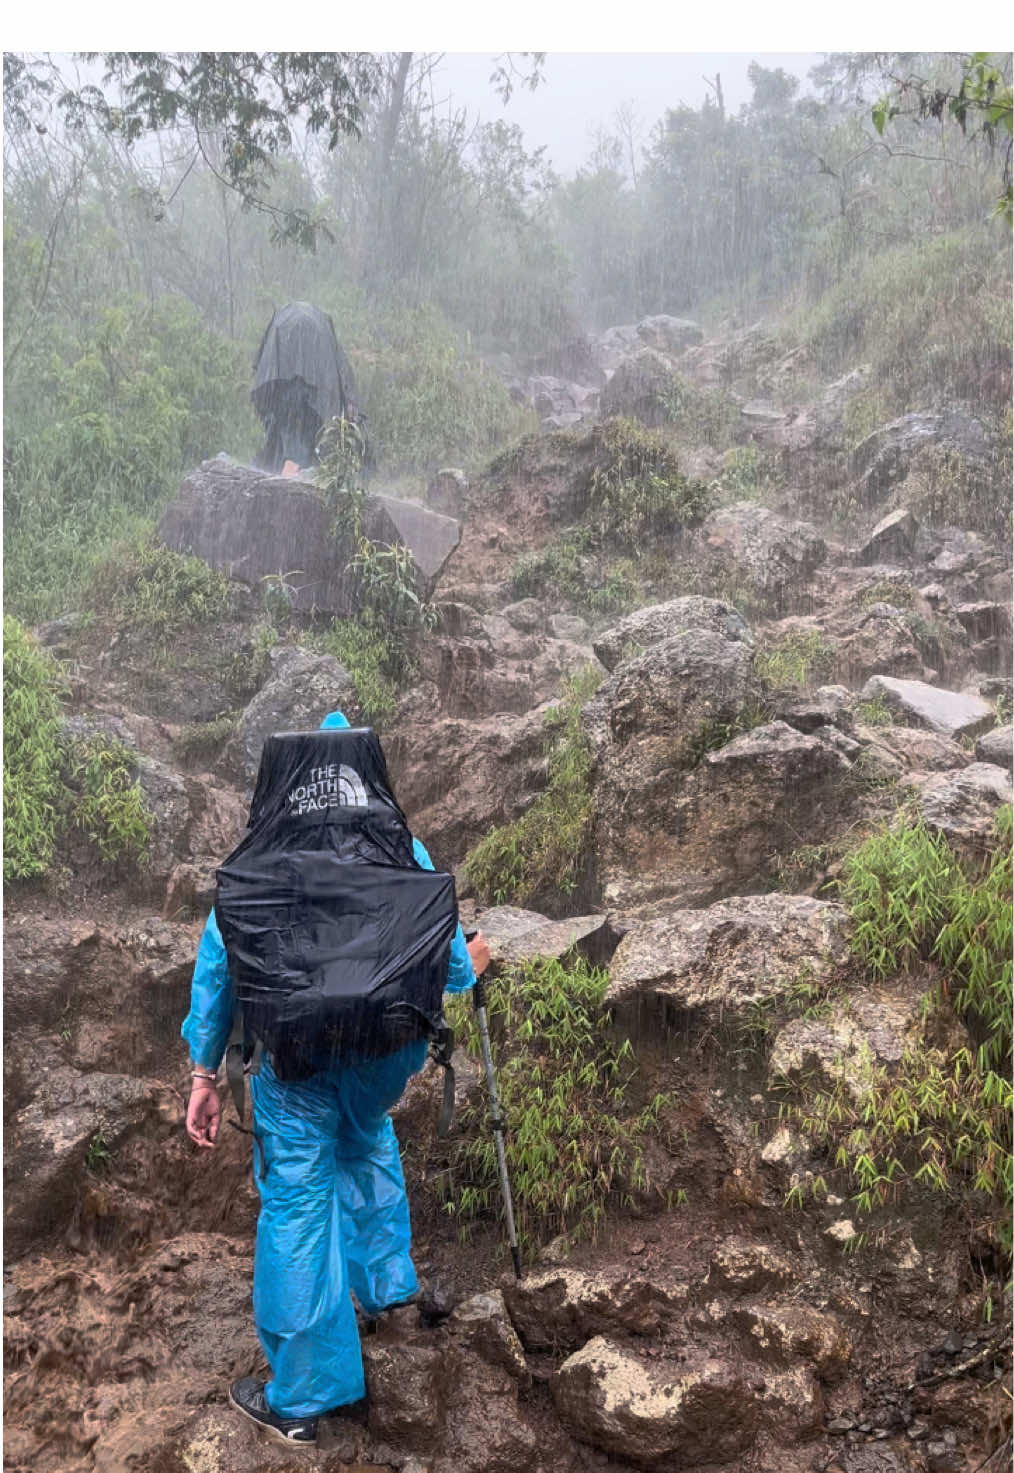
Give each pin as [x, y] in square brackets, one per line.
[334, 786]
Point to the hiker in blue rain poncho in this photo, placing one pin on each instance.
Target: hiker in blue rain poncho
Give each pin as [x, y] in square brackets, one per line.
[334, 1218]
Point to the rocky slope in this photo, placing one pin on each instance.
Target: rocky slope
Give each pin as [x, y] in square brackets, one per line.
[804, 662]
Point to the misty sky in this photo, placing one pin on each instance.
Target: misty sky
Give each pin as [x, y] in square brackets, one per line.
[582, 91]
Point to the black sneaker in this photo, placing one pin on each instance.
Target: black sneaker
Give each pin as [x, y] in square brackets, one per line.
[247, 1396]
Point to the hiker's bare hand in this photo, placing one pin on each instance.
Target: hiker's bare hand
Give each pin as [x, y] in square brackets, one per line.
[478, 950]
[204, 1114]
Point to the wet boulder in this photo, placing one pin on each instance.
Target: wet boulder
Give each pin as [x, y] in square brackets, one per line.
[302, 688]
[73, 1122]
[729, 956]
[893, 537]
[642, 387]
[653, 1415]
[783, 1332]
[517, 936]
[829, 705]
[997, 747]
[670, 335]
[886, 456]
[456, 776]
[952, 713]
[254, 526]
[871, 1033]
[741, 1265]
[773, 557]
[650, 626]
[876, 639]
[482, 1325]
[682, 813]
[407, 1390]
[963, 805]
[718, 830]
[649, 724]
[561, 1308]
[910, 748]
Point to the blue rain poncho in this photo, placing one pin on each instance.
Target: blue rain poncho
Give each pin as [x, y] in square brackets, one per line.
[334, 1217]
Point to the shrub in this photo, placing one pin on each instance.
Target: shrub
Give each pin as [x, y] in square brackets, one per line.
[154, 589]
[107, 804]
[429, 402]
[200, 740]
[635, 488]
[745, 475]
[573, 570]
[563, 1082]
[99, 426]
[51, 784]
[926, 341]
[704, 416]
[32, 753]
[544, 855]
[943, 1119]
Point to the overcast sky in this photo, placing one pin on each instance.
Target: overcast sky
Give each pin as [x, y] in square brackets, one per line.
[581, 91]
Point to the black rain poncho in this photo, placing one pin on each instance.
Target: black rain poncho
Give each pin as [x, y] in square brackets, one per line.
[302, 379]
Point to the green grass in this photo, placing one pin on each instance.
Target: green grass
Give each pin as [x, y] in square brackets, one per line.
[53, 786]
[376, 660]
[900, 595]
[573, 570]
[575, 1142]
[199, 741]
[33, 758]
[942, 1119]
[150, 588]
[542, 858]
[800, 659]
[931, 317]
[875, 712]
[746, 475]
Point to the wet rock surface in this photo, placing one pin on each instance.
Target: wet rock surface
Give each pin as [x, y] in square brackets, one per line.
[730, 955]
[775, 557]
[253, 526]
[953, 713]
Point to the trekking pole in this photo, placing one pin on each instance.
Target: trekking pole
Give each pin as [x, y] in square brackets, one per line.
[497, 1122]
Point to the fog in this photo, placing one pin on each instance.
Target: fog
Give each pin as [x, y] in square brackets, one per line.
[581, 91]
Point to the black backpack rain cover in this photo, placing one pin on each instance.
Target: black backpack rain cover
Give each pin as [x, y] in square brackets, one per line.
[337, 940]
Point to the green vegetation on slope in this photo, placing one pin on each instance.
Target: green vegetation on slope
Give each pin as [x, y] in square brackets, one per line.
[99, 429]
[943, 1118]
[576, 1143]
[52, 783]
[541, 859]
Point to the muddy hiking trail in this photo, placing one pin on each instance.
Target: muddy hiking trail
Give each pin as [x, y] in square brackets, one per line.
[676, 678]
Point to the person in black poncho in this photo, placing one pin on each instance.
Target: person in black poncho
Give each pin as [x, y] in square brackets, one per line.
[302, 379]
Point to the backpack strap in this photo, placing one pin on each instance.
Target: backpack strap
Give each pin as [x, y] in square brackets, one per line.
[441, 1050]
[242, 1057]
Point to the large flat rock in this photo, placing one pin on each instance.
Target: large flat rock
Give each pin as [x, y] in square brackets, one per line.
[516, 936]
[253, 526]
[955, 713]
